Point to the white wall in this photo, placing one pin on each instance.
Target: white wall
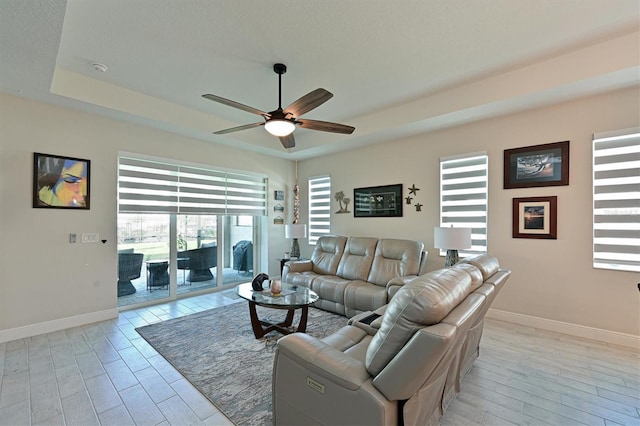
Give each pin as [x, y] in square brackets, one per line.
[552, 279]
[47, 283]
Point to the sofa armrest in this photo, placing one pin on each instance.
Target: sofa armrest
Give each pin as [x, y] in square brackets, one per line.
[368, 321]
[296, 266]
[395, 283]
[299, 265]
[323, 360]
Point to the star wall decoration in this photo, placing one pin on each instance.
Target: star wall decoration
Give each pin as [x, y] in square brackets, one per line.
[409, 199]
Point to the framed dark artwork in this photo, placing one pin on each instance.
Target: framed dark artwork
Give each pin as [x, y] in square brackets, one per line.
[378, 201]
[61, 182]
[539, 165]
[535, 217]
[278, 195]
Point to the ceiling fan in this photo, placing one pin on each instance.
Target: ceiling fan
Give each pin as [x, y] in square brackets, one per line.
[282, 122]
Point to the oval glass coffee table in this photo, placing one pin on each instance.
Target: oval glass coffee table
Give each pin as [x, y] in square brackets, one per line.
[292, 298]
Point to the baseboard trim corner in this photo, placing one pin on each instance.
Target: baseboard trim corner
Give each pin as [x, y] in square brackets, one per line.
[606, 336]
[56, 325]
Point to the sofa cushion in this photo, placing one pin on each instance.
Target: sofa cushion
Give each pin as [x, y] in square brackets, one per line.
[356, 260]
[304, 279]
[475, 273]
[395, 258]
[345, 338]
[424, 301]
[361, 296]
[327, 253]
[488, 265]
[330, 290]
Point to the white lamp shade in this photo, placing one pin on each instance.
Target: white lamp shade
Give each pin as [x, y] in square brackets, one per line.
[296, 230]
[451, 238]
[279, 127]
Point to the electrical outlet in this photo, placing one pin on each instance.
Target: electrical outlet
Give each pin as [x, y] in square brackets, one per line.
[72, 238]
[90, 237]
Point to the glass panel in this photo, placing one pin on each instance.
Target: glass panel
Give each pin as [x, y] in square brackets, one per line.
[238, 254]
[197, 252]
[143, 258]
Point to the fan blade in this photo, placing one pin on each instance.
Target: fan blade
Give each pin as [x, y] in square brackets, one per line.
[308, 102]
[235, 104]
[326, 126]
[237, 129]
[288, 141]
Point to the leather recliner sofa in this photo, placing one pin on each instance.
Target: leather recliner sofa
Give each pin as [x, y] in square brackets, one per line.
[401, 364]
[356, 274]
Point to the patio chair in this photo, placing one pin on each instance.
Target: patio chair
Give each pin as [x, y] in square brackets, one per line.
[199, 262]
[129, 268]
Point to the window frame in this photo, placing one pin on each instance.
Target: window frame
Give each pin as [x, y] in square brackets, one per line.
[452, 196]
[616, 200]
[319, 207]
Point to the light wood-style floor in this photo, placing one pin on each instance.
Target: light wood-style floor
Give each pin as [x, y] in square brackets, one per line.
[535, 377]
[105, 373]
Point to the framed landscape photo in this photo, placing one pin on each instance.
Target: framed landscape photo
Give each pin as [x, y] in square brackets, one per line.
[539, 165]
[61, 182]
[378, 201]
[535, 217]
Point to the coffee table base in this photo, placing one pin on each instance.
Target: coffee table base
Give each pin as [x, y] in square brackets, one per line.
[261, 327]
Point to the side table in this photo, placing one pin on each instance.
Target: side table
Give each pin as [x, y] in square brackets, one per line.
[157, 273]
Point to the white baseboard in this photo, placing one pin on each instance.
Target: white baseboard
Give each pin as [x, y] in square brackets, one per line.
[612, 337]
[56, 325]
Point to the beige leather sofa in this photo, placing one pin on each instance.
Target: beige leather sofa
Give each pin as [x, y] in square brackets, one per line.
[356, 274]
[403, 367]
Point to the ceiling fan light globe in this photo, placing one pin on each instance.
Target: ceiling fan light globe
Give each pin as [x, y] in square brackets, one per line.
[280, 127]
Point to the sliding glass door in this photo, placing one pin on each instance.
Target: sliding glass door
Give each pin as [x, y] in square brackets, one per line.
[238, 256]
[143, 258]
[197, 252]
[184, 228]
[211, 252]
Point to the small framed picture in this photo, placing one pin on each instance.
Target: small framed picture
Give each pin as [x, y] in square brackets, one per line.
[61, 182]
[539, 165]
[535, 217]
[278, 195]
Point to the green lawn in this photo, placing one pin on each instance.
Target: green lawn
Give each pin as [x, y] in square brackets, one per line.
[156, 249]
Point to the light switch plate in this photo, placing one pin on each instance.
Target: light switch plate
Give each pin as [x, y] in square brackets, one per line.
[90, 237]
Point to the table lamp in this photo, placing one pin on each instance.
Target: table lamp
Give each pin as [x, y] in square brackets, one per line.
[451, 239]
[295, 231]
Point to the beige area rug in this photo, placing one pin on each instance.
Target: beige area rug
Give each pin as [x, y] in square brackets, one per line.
[218, 353]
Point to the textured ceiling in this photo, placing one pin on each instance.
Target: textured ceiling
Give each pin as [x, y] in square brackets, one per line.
[395, 68]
